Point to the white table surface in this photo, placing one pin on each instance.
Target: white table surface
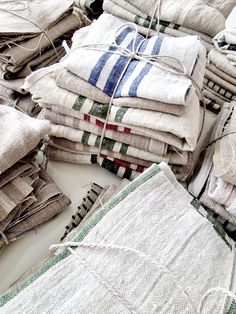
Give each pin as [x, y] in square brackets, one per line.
[20, 255]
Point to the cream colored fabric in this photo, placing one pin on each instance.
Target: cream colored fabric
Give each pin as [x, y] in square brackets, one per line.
[19, 134]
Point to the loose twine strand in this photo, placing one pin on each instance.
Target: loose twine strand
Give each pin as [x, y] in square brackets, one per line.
[57, 248]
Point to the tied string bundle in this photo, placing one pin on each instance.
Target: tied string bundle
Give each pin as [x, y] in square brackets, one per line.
[166, 63]
[58, 248]
[13, 11]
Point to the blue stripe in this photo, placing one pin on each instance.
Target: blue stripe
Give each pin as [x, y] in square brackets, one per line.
[95, 73]
[131, 68]
[118, 68]
[155, 51]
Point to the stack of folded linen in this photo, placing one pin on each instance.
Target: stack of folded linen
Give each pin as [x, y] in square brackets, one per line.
[148, 249]
[220, 76]
[215, 182]
[31, 36]
[176, 18]
[181, 18]
[28, 196]
[155, 114]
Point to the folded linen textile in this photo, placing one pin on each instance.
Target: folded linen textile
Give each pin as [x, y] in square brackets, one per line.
[139, 74]
[223, 75]
[14, 58]
[134, 140]
[93, 141]
[221, 62]
[92, 7]
[78, 148]
[126, 11]
[182, 13]
[209, 189]
[224, 153]
[130, 248]
[41, 201]
[16, 18]
[83, 208]
[19, 134]
[44, 79]
[225, 42]
[115, 166]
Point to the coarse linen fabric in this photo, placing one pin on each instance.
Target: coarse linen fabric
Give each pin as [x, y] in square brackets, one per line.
[31, 17]
[221, 62]
[100, 68]
[19, 134]
[15, 58]
[223, 75]
[225, 42]
[93, 141]
[197, 15]
[181, 132]
[68, 86]
[224, 153]
[213, 191]
[128, 12]
[92, 7]
[150, 265]
[134, 140]
[119, 167]
[43, 201]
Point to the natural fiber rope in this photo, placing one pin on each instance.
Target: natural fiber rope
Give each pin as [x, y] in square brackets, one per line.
[154, 60]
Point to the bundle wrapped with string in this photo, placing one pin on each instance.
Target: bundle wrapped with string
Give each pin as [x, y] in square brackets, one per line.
[124, 101]
[180, 18]
[28, 196]
[31, 37]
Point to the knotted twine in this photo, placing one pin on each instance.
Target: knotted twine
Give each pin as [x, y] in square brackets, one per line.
[157, 61]
[58, 248]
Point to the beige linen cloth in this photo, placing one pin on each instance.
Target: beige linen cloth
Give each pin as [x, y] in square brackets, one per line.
[19, 134]
[207, 17]
[143, 231]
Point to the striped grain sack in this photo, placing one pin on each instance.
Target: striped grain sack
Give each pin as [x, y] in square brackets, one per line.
[140, 266]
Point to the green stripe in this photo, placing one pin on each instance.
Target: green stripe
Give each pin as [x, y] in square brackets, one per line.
[142, 178]
[78, 104]
[120, 114]
[124, 148]
[99, 110]
[85, 137]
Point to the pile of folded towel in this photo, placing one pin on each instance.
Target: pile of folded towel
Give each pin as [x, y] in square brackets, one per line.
[31, 37]
[149, 248]
[180, 18]
[176, 18]
[220, 75]
[155, 113]
[215, 182]
[28, 196]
